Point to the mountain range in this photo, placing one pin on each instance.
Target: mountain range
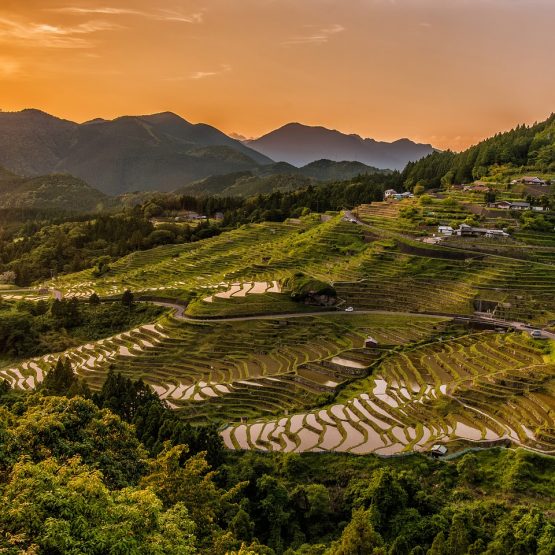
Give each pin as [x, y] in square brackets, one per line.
[300, 144]
[157, 152]
[165, 152]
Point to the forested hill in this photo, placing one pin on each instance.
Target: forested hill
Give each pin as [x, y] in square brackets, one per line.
[523, 149]
[278, 177]
[60, 192]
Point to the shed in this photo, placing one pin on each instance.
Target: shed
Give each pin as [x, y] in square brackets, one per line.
[370, 342]
[438, 450]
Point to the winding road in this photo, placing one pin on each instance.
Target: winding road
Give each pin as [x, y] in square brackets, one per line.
[179, 313]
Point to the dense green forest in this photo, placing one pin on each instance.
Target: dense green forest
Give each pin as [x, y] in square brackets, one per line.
[35, 245]
[525, 148]
[120, 473]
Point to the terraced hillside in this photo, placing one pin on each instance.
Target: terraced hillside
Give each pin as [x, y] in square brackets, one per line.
[254, 253]
[372, 268]
[480, 388]
[381, 378]
[222, 371]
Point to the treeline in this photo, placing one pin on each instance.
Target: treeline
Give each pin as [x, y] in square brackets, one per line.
[118, 472]
[34, 252]
[29, 329]
[279, 205]
[526, 148]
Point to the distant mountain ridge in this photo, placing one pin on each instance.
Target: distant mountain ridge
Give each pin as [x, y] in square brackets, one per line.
[300, 144]
[159, 151]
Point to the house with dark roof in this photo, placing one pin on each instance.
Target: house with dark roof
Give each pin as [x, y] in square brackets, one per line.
[507, 205]
[533, 181]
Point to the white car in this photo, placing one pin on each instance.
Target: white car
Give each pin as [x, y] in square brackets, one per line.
[349, 309]
[537, 334]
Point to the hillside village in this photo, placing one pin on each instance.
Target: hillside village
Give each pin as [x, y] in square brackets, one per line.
[491, 210]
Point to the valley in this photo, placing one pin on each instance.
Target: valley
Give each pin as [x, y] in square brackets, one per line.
[277, 278]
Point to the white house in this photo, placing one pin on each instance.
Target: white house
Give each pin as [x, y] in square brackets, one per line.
[390, 193]
[506, 205]
[494, 233]
[445, 230]
[401, 196]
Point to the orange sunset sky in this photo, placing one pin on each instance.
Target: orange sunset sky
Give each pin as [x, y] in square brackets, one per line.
[449, 72]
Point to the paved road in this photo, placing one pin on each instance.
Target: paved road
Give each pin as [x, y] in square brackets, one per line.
[179, 313]
[521, 326]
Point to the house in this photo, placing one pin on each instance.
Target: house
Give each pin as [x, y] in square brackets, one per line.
[494, 233]
[507, 205]
[533, 181]
[445, 230]
[390, 193]
[540, 208]
[520, 206]
[502, 205]
[401, 196]
[469, 231]
[438, 450]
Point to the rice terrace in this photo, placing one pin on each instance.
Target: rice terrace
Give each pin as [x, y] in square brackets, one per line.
[277, 278]
[394, 356]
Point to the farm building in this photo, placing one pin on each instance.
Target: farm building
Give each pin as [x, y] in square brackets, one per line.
[445, 230]
[507, 205]
[533, 181]
[401, 196]
[370, 342]
[469, 231]
[438, 450]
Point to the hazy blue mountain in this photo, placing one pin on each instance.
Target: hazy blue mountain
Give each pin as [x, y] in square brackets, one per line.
[301, 144]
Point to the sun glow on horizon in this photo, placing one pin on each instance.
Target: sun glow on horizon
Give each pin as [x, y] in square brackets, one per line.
[435, 72]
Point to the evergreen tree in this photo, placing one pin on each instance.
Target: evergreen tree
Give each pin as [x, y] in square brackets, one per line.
[359, 536]
[457, 541]
[127, 298]
[60, 379]
[438, 546]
